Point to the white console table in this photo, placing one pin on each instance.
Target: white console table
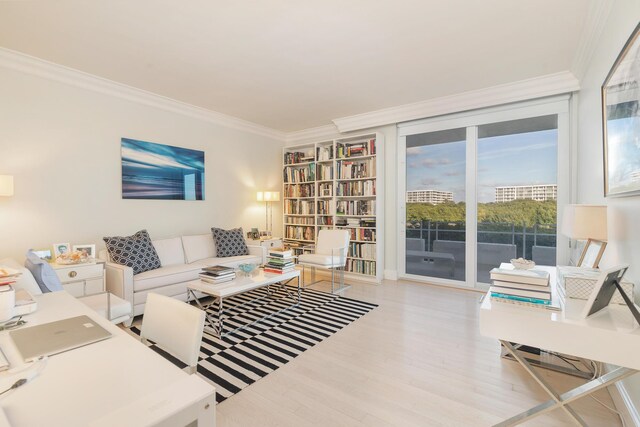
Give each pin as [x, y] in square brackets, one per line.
[117, 381]
[610, 336]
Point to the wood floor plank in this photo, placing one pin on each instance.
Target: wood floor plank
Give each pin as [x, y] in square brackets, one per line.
[416, 360]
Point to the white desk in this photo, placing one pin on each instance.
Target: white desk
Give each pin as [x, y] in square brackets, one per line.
[117, 381]
[610, 336]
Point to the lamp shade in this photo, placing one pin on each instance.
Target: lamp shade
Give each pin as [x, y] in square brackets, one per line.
[585, 222]
[6, 185]
[260, 196]
[271, 196]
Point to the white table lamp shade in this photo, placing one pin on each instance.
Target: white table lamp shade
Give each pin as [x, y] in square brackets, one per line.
[6, 185]
[585, 222]
[268, 196]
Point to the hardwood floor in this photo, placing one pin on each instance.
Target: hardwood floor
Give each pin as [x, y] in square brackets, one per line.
[416, 360]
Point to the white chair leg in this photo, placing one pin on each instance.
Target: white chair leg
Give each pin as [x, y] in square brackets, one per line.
[191, 370]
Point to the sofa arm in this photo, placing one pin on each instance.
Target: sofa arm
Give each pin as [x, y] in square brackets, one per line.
[258, 251]
[119, 279]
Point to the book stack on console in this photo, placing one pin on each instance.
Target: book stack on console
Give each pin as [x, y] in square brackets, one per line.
[217, 274]
[279, 261]
[523, 287]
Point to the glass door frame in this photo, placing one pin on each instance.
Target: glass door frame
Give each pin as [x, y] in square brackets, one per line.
[559, 105]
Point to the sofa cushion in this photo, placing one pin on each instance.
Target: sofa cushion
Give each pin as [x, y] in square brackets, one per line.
[198, 247]
[229, 242]
[45, 277]
[26, 280]
[135, 251]
[169, 251]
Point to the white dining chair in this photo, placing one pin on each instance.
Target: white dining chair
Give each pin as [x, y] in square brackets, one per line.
[174, 326]
[330, 253]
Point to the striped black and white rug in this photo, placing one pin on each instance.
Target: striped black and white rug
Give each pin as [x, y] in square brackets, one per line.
[242, 358]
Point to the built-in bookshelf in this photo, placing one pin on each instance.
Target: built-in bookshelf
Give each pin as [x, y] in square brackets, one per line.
[336, 184]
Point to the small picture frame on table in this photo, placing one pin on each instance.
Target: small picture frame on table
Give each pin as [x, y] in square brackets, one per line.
[61, 248]
[44, 254]
[592, 253]
[89, 250]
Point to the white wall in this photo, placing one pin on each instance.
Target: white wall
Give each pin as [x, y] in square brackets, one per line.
[624, 227]
[62, 144]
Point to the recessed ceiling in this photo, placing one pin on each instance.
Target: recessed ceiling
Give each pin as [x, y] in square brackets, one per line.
[292, 65]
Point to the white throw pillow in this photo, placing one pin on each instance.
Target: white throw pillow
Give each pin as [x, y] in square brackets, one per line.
[169, 251]
[198, 247]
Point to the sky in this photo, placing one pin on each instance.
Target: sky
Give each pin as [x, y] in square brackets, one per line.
[521, 159]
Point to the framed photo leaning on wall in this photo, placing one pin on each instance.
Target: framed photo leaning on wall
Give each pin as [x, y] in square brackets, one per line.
[621, 121]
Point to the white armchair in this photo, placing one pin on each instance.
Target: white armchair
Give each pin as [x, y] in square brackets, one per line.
[331, 253]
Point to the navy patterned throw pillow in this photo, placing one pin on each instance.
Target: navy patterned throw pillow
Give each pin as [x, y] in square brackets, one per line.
[229, 242]
[135, 251]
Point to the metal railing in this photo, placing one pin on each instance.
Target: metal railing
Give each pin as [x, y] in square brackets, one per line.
[507, 233]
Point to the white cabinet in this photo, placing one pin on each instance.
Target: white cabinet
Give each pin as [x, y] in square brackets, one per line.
[274, 242]
[81, 279]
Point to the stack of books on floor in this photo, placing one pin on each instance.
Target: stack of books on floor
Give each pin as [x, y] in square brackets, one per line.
[279, 261]
[522, 287]
[217, 274]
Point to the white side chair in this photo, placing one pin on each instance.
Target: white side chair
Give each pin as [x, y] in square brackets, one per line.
[175, 326]
[330, 253]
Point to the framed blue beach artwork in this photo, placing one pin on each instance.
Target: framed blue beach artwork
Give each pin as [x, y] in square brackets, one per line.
[158, 171]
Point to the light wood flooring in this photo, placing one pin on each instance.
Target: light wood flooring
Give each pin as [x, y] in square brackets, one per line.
[416, 360]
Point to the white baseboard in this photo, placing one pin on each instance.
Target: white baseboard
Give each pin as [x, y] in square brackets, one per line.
[624, 404]
[390, 274]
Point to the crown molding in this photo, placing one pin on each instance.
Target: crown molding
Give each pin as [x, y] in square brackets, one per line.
[38, 67]
[319, 133]
[538, 87]
[597, 15]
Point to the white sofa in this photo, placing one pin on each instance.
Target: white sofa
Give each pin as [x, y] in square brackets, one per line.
[181, 258]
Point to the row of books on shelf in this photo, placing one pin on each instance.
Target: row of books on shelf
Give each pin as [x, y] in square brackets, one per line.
[361, 266]
[325, 189]
[362, 250]
[279, 261]
[297, 157]
[325, 172]
[523, 287]
[324, 153]
[300, 174]
[356, 207]
[362, 234]
[298, 232]
[325, 207]
[352, 149]
[356, 188]
[217, 274]
[356, 222]
[356, 169]
[299, 207]
[299, 190]
[300, 220]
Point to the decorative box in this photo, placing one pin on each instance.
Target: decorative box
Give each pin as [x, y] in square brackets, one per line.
[578, 283]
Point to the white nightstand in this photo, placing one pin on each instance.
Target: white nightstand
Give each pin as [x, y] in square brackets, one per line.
[81, 279]
[274, 242]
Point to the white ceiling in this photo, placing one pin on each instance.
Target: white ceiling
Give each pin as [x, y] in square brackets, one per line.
[296, 64]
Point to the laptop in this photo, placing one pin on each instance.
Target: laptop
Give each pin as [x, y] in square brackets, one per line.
[56, 337]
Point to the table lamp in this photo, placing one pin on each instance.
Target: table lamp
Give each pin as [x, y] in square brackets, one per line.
[268, 197]
[586, 222]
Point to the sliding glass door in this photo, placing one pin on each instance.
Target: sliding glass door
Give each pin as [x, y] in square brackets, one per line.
[480, 189]
[435, 201]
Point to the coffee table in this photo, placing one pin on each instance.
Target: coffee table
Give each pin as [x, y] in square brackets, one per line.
[240, 285]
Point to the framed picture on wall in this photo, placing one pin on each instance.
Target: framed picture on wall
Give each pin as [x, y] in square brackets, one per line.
[621, 121]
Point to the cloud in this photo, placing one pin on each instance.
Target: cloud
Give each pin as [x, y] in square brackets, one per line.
[430, 181]
[454, 173]
[430, 162]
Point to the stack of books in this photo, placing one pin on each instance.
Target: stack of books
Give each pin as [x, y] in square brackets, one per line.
[217, 274]
[279, 261]
[8, 276]
[524, 287]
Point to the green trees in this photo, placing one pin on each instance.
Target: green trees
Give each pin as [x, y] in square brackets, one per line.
[519, 212]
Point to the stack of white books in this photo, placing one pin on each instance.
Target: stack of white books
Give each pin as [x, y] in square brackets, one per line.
[523, 287]
[217, 274]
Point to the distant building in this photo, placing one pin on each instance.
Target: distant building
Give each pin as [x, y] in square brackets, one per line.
[539, 193]
[429, 196]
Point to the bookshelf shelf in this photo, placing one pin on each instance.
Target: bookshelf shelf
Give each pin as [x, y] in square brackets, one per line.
[307, 187]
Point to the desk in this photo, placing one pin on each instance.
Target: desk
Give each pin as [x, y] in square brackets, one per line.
[117, 381]
[610, 336]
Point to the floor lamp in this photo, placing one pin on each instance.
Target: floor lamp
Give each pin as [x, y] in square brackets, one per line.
[268, 197]
[6, 185]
